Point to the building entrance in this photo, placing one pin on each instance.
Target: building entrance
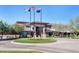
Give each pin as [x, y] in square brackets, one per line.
[39, 31]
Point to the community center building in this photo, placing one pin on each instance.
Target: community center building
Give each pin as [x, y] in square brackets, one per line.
[43, 29]
[35, 28]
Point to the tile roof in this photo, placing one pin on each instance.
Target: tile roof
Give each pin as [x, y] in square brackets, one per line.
[62, 28]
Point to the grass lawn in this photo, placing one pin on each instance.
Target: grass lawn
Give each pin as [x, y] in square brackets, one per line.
[20, 52]
[36, 41]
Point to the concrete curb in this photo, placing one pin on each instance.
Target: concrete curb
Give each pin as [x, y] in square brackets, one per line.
[30, 43]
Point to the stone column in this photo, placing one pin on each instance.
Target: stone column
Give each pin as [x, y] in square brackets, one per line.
[34, 32]
[44, 34]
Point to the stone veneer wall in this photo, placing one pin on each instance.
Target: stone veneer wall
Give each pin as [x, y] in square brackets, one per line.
[9, 36]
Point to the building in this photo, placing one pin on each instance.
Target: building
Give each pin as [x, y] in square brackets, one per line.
[61, 30]
[36, 29]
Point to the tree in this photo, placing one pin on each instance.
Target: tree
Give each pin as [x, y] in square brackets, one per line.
[75, 24]
[17, 29]
[9, 29]
[3, 28]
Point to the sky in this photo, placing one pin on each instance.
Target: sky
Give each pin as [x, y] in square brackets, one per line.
[50, 13]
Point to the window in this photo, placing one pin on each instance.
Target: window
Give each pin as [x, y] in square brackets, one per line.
[27, 26]
[33, 28]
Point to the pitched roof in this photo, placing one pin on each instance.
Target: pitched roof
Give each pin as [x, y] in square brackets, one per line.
[39, 23]
[62, 28]
[21, 22]
[43, 23]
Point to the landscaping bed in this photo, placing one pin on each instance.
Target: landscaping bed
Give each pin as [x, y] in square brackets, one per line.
[36, 41]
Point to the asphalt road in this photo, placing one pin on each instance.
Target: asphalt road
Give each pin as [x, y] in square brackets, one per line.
[63, 45]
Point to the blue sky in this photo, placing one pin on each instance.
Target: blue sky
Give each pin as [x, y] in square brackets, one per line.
[51, 13]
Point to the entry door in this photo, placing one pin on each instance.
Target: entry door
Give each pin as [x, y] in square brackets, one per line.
[38, 31]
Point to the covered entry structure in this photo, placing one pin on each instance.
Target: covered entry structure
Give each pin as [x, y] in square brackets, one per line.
[37, 29]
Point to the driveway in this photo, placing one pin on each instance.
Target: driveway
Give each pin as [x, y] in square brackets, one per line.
[63, 45]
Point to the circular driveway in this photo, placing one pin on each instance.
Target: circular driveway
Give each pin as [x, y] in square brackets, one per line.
[63, 45]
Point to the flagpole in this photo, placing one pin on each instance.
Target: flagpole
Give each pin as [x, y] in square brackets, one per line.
[34, 21]
[30, 21]
[34, 16]
[39, 10]
[41, 21]
[41, 16]
[29, 10]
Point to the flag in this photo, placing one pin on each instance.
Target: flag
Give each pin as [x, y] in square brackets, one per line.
[38, 10]
[29, 9]
[33, 8]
